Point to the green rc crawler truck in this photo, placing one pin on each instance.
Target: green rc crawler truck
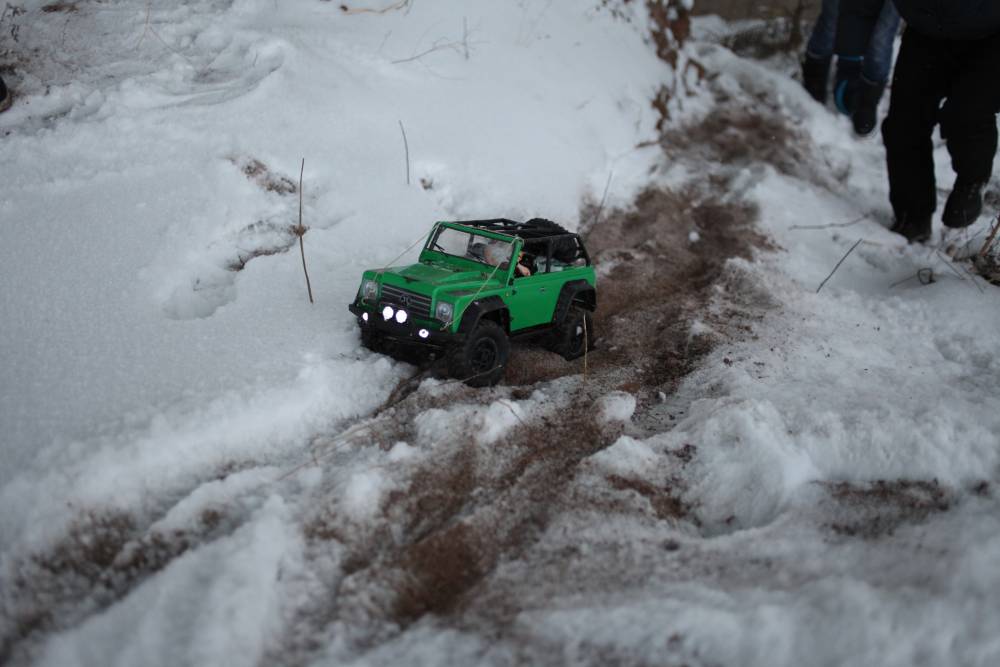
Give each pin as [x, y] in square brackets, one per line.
[476, 285]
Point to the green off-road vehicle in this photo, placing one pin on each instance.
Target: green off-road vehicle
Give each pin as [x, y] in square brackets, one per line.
[476, 285]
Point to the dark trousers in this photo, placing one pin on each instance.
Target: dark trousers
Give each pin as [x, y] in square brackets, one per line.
[966, 75]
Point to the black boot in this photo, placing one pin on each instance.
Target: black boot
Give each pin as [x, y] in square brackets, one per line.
[964, 204]
[865, 116]
[5, 97]
[916, 228]
[815, 74]
[845, 87]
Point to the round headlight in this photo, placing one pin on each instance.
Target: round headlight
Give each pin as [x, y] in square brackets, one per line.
[401, 316]
[364, 316]
[369, 290]
[444, 311]
[423, 333]
[387, 313]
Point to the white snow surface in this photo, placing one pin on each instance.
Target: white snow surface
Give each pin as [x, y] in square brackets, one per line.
[139, 372]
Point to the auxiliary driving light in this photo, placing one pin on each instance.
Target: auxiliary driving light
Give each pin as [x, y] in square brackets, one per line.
[387, 313]
[364, 316]
[423, 333]
[401, 316]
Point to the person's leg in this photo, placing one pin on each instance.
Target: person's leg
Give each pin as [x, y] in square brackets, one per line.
[918, 86]
[968, 122]
[878, 57]
[820, 44]
[875, 70]
[819, 52]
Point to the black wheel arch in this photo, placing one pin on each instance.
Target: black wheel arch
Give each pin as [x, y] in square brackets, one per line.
[575, 292]
[490, 308]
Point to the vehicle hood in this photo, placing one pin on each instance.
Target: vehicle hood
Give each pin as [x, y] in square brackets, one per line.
[432, 278]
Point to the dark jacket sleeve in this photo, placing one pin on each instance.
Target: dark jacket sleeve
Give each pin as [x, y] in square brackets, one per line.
[951, 19]
[855, 24]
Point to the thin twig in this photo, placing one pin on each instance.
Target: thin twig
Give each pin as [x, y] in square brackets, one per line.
[301, 231]
[972, 278]
[990, 239]
[856, 244]
[511, 408]
[406, 148]
[944, 258]
[439, 45]
[834, 224]
[465, 36]
[363, 10]
[604, 197]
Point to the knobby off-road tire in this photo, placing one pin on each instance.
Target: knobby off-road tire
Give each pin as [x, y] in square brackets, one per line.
[574, 334]
[482, 358]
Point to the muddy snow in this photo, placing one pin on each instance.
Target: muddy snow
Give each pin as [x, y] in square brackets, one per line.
[200, 467]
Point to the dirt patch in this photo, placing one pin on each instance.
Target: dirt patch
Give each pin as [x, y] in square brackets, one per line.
[737, 136]
[664, 255]
[440, 569]
[60, 7]
[262, 176]
[881, 507]
[666, 504]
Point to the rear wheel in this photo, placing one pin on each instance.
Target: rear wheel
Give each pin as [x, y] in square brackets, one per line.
[574, 335]
[481, 358]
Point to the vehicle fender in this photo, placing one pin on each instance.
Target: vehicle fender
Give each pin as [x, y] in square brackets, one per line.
[481, 307]
[579, 291]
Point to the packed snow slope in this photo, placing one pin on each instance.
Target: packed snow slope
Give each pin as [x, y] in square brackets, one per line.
[200, 467]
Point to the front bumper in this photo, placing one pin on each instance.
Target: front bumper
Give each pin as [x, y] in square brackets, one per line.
[407, 333]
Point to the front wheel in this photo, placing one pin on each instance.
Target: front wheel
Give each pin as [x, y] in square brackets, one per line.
[372, 340]
[481, 358]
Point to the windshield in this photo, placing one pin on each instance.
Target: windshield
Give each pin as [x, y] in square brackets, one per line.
[467, 245]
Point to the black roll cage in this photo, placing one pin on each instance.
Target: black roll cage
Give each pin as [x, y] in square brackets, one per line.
[536, 230]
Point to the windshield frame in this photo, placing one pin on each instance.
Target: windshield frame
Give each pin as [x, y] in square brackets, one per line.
[430, 253]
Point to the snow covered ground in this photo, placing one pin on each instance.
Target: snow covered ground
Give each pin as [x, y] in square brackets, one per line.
[198, 465]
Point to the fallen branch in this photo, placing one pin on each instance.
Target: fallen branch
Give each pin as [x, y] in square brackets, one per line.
[846, 255]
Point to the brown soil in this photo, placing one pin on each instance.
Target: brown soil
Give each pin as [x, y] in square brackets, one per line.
[879, 508]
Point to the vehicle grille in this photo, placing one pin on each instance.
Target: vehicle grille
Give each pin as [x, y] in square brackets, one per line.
[417, 305]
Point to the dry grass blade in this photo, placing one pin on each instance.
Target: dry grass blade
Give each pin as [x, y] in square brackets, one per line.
[846, 255]
[300, 231]
[365, 10]
[990, 239]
